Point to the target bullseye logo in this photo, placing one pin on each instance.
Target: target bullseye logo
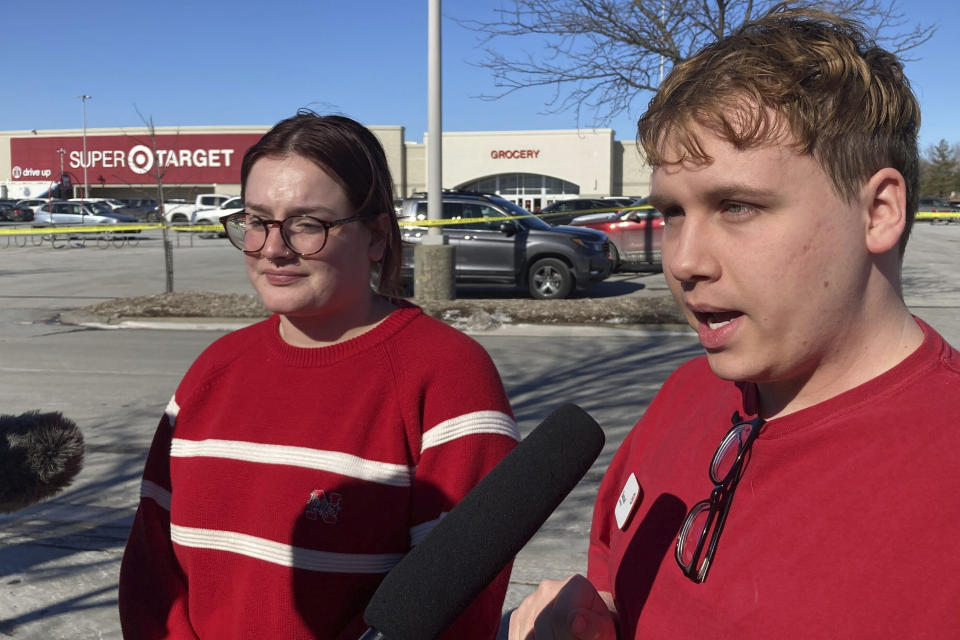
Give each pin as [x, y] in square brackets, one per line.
[140, 159]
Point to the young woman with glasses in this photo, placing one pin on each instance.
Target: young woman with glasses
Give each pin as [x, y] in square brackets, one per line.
[303, 456]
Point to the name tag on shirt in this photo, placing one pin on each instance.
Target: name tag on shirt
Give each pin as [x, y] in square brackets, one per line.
[627, 502]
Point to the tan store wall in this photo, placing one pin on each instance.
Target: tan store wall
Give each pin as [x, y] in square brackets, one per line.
[580, 157]
[593, 160]
[391, 137]
[416, 168]
[634, 174]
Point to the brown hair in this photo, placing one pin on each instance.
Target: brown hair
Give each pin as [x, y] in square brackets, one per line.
[351, 155]
[842, 98]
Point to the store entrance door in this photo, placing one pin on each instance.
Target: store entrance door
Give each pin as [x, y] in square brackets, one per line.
[531, 204]
[528, 190]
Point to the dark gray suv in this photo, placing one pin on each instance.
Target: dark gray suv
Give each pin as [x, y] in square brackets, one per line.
[498, 242]
[563, 211]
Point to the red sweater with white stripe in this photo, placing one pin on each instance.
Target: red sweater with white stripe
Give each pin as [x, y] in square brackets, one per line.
[283, 483]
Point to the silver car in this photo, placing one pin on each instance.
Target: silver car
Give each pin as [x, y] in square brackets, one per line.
[69, 213]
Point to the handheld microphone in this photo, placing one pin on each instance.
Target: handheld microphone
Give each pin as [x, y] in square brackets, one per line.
[425, 592]
[40, 453]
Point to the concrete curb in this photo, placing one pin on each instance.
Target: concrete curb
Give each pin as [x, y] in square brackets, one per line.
[519, 329]
[93, 321]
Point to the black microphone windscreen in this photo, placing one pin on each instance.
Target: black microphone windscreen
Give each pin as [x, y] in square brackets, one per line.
[40, 453]
[469, 546]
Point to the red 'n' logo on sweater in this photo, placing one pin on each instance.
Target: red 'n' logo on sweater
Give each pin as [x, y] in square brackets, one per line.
[324, 506]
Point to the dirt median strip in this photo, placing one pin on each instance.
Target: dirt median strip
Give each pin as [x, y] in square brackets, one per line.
[195, 305]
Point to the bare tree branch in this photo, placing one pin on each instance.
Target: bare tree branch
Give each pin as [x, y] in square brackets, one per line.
[159, 171]
[600, 56]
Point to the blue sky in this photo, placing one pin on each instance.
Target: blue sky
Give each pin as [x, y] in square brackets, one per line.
[253, 63]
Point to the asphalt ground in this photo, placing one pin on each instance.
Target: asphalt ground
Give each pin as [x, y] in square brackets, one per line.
[59, 560]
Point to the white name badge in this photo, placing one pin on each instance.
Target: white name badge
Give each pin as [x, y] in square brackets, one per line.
[627, 501]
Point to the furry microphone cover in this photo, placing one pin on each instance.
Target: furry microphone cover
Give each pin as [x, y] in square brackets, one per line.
[40, 454]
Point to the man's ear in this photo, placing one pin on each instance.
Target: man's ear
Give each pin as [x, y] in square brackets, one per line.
[884, 198]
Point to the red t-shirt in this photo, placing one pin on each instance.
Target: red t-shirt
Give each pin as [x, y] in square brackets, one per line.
[842, 525]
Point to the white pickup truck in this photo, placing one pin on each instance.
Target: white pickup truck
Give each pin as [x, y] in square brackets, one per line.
[212, 216]
[233, 205]
[194, 212]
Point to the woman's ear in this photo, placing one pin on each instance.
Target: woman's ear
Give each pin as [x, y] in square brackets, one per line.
[379, 233]
[884, 197]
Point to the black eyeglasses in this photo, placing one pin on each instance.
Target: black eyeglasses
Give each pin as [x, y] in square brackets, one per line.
[705, 521]
[303, 235]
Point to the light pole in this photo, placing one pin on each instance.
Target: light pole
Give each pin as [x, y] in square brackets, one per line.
[434, 259]
[61, 151]
[84, 160]
[434, 123]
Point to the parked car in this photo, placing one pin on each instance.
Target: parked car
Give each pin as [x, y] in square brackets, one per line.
[69, 213]
[144, 209]
[635, 234]
[623, 201]
[504, 243]
[212, 216]
[103, 209]
[15, 212]
[943, 211]
[113, 203]
[935, 204]
[33, 203]
[563, 211]
[185, 212]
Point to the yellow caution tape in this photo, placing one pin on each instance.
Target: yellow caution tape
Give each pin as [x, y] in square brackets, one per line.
[46, 230]
[115, 228]
[455, 221]
[579, 212]
[52, 230]
[447, 222]
[102, 228]
[934, 215]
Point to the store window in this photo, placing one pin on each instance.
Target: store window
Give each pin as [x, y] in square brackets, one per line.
[531, 191]
[522, 184]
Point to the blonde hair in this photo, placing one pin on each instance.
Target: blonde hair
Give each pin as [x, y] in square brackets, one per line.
[843, 100]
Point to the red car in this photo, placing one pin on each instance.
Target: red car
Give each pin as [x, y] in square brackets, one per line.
[635, 235]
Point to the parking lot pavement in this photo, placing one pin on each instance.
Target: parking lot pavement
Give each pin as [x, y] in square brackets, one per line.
[59, 560]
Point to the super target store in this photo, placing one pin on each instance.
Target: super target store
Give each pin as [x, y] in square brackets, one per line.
[531, 168]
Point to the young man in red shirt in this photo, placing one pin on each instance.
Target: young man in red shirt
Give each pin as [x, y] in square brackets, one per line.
[800, 479]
